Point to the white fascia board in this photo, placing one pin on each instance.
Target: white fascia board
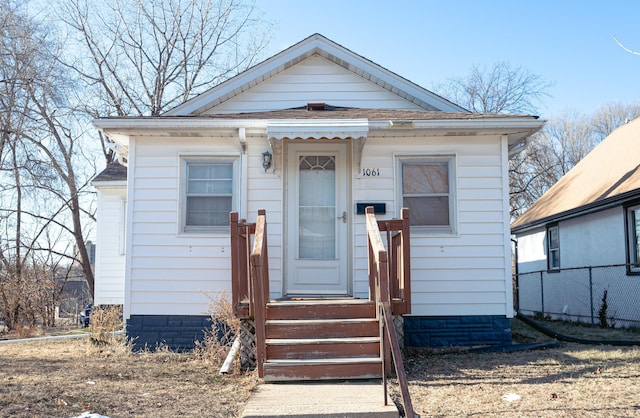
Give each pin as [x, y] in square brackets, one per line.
[112, 184]
[159, 123]
[121, 130]
[317, 128]
[515, 128]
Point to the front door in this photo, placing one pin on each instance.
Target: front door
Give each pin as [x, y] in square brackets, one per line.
[317, 221]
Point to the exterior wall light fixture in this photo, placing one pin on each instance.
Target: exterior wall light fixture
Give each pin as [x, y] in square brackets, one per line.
[266, 160]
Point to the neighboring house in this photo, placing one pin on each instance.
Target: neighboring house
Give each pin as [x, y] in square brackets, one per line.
[589, 218]
[111, 185]
[312, 134]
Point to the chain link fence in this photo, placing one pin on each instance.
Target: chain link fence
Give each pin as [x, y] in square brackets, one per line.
[603, 296]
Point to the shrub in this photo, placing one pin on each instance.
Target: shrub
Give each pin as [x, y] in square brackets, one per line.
[218, 339]
[105, 321]
[602, 312]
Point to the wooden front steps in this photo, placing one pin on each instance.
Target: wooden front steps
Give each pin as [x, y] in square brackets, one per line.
[318, 339]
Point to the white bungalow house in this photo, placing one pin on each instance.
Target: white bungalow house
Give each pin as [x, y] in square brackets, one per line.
[582, 237]
[312, 135]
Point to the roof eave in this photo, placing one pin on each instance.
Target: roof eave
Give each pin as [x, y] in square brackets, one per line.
[120, 129]
[109, 183]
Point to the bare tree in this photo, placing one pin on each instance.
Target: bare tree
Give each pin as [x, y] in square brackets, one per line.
[144, 57]
[43, 168]
[612, 115]
[558, 147]
[501, 88]
[553, 151]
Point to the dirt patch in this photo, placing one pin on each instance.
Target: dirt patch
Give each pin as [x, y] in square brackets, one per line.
[66, 378]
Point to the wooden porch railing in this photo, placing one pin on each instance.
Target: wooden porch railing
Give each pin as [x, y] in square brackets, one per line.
[381, 267]
[242, 234]
[399, 263]
[250, 276]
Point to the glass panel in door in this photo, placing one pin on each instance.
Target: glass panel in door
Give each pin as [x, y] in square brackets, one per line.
[317, 207]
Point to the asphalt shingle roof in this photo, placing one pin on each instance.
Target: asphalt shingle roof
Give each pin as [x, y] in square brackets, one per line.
[610, 170]
[114, 172]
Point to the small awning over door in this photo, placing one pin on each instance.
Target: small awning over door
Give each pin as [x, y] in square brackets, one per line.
[327, 129]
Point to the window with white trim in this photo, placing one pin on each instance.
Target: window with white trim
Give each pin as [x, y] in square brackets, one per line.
[553, 247]
[208, 193]
[427, 189]
[633, 243]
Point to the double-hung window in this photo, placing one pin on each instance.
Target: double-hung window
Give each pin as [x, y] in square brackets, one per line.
[633, 239]
[208, 192]
[427, 189]
[553, 247]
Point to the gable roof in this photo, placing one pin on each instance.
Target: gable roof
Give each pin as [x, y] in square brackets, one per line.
[606, 177]
[314, 45]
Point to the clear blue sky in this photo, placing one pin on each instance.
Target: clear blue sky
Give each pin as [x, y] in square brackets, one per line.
[568, 43]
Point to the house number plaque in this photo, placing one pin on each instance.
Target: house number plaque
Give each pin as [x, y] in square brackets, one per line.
[370, 172]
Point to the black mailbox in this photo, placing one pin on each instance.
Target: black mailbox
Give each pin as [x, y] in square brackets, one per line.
[378, 208]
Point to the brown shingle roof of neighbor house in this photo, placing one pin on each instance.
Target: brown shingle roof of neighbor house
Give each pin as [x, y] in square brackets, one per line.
[608, 173]
[113, 172]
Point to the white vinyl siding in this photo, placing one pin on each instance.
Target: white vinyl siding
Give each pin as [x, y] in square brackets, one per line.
[587, 240]
[465, 273]
[172, 272]
[110, 259]
[315, 79]
[176, 273]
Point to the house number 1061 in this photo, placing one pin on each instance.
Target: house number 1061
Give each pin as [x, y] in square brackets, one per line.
[370, 172]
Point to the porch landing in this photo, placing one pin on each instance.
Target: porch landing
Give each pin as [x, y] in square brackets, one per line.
[320, 399]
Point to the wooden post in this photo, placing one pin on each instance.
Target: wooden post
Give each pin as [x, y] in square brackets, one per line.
[370, 257]
[260, 274]
[405, 273]
[259, 311]
[235, 263]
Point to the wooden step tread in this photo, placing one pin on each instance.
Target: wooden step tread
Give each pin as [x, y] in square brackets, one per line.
[324, 361]
[320, 310]
[294, 341]
[319, 321]
[321, 328]
[319, 301]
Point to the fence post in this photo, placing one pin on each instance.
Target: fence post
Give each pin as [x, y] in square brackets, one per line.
[542, 293]
[591, 294]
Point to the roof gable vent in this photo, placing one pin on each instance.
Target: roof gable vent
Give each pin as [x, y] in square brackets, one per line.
[311, 106]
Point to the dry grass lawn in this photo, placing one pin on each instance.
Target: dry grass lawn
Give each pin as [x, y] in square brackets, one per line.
[66, 378]
[570, 381]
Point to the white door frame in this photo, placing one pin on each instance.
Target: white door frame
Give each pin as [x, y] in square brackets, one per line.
[309, 276]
